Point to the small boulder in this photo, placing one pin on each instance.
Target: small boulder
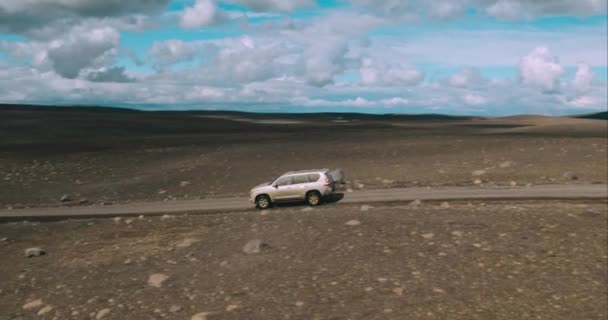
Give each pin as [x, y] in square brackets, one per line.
[506, 164]
[415, 203]
[175, 308]
[478, 173]
[102, 313]
[255, 246]
[445, 205]
[366, 207]
[34, 252]
[45, 310]
[65, 198]
[184, 184]
[353, 223]
[477, 182]
[570, 176]
[156, 280]
[34, 304]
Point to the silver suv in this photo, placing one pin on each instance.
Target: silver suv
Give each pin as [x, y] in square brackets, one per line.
[309, 185]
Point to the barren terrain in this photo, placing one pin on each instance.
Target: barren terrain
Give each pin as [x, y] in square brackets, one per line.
[96, 156]
[515, 260]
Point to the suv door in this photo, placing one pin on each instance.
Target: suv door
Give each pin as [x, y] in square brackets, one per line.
[282, 189]
[301, 186]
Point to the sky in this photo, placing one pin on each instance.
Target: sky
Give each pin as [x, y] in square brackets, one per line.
[474, 57]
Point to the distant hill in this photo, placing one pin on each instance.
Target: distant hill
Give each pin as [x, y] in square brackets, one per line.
[252, 115]
[597, 116]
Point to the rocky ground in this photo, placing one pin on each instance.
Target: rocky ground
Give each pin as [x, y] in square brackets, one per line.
[95, 156]
[510, 260]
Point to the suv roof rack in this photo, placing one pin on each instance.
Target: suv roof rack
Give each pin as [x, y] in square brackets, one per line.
[305, 171]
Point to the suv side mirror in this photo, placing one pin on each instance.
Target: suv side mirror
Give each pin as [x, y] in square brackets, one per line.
[276, 186]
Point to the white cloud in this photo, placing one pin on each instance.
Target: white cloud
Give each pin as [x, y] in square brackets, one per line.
[355, 102]
[507, 10]
[169, 52]
[274, 5]
[583, 80]
[79, 49]
[526, 9]
[541, 69]
[31, 17]
[582, 102]
[203, 13]
[373, 74]
[474, 99]
[466, 78]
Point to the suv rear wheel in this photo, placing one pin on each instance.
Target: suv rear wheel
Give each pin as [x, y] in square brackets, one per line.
[313, 198]
[263, 202]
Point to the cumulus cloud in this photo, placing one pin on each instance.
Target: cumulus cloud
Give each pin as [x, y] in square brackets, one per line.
[25, 17]
[71, 53]
[82, 49]
[385, 75]
[525, 9]
[583, 79]
[355, 102]
[541, 69]
[500, 9]
[466, 78]
[274, 5]
[169, 52]
[114, 74]
[203, 13]
[473, 99]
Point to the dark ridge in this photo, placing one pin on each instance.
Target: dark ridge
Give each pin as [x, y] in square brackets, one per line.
[596, 116]
[63, 108]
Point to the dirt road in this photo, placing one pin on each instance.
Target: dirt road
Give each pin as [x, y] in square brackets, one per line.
[372, 196]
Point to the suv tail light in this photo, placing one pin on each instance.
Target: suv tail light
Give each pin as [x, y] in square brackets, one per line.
[326, 182]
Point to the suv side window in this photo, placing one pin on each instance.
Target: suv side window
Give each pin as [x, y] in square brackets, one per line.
[300, 179]
[285, 181]
[314, 177]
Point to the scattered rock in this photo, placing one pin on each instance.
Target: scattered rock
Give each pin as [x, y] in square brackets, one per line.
[349, 190]
[398, 291]
[506, 164]
[175, 309]
[428, 235]
[34, 304]
[366, 207]
[232, 307]
[353, 223]
[162, 191]
[387, 181]
[457, 233]
[255, 246]
[186, 243]
[102, 313]
[34, 252]
[513, 184]
[156, 280]
[45, 310]
[445, 205]
[415, 203]
[307, 209]
[477, 182]
[478, 173]
[65, 198]
[200, 316]
[438, 290]
[83, 201]
[299, 303]
[117, 219]
[570, 176]
[184, 184]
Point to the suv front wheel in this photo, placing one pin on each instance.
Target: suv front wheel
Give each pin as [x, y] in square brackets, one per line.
[263, 202]
[313, 198]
